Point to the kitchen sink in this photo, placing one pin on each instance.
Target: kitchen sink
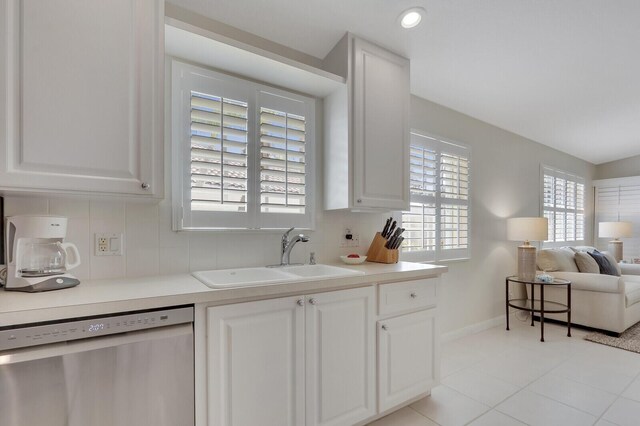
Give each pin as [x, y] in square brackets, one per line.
[320, 271]
[241, 277]
[245, 277]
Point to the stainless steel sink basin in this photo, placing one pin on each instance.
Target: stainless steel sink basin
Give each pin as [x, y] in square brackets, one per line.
[245, 277]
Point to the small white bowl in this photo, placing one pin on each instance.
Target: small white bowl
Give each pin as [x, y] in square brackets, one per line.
[353, 260]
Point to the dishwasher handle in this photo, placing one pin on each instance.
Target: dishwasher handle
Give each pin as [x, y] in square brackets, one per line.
[76, 346]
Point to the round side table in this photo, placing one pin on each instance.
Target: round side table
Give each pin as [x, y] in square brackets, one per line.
[533, 305]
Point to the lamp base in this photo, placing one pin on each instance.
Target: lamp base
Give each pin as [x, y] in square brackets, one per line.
[615, 248]
[527, 262]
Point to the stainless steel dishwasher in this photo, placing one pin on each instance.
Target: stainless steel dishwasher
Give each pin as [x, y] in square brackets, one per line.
[125, 369]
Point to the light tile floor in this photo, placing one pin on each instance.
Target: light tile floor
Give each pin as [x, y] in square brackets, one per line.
[500, 377]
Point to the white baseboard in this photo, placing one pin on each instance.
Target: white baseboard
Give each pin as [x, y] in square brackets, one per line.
[474, 328]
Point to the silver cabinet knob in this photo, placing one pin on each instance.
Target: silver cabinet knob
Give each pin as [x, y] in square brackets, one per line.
[359, 200]
[384, 327]
[312, 301]
[300, 302]
[145, 185]
[413, 295]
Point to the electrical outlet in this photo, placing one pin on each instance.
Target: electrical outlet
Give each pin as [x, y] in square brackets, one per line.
[354, 241]
[108, 244]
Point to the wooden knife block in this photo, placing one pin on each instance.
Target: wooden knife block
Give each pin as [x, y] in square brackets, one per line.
[379, 253]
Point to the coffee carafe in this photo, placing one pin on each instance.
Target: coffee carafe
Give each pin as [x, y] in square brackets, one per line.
[38, 259]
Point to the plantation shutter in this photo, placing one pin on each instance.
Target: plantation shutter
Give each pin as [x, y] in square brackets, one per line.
[619, 203]
[219, 145]
[420, 221]
[282, 162]
[242, 153]
[437, 223]
[454, 207]
[563, 205]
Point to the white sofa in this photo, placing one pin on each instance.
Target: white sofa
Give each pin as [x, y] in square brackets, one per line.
[605, 302]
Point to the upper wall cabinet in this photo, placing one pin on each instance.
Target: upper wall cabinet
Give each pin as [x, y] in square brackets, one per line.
[366, 151]
[81, 96]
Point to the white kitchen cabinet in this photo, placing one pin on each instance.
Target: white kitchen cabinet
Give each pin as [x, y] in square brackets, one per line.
[407, 361]
[272, 361]
[366, 158]
[256, 363]
[340, 357]
[82, 109]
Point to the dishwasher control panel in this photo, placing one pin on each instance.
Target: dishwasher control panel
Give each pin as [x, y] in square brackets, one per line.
[85, 328]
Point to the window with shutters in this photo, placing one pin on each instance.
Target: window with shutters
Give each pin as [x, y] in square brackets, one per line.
[563, 205]
[618, 200]
[242, 153]
[437, 224]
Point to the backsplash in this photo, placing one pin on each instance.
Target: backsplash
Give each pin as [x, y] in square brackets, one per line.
[150, 247]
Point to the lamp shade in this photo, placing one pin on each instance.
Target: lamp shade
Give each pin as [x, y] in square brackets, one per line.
[527, 229]
[615, 229]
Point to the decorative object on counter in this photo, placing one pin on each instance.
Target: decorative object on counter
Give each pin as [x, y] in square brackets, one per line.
[353, 259]
[615, 230]
[527, 229]
[37, 256]
[384, 247]
[545, 278]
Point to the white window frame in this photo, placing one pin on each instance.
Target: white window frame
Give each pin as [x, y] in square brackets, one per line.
[571, 177]
[440, 145]
[187, 77]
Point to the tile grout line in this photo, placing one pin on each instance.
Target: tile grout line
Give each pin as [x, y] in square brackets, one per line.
[617, 398]
[422, 415]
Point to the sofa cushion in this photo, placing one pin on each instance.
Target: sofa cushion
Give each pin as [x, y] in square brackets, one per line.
[604, 263]
[585, 249]
[613, 262]
[631, 292]
[630, 268]
[594, 282]
[561, 259]
[586, 263]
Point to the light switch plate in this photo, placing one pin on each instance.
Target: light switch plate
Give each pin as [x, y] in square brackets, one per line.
[108, 244]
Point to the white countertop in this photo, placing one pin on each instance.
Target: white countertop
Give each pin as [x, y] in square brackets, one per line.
[97, 297]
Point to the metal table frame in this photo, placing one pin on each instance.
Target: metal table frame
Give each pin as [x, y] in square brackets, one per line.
[561, 308]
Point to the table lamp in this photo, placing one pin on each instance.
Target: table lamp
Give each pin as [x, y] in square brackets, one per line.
[615, 230]
[527, 229]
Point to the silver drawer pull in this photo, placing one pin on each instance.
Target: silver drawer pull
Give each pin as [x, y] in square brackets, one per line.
[384, 327]
[413, 295]
[300, 302]
[312, 301]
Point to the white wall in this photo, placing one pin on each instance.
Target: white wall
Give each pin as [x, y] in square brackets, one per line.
[505, 173]
[621, 168]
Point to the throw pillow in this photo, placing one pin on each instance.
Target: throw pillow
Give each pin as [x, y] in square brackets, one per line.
[551, 260]
[605, 266]
[586, 263]
[613, 262]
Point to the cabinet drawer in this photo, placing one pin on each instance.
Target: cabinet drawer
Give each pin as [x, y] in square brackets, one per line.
[405, 296]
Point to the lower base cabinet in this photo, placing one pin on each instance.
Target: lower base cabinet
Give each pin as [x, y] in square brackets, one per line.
[256, 363]
[406, 359]
[304, 360]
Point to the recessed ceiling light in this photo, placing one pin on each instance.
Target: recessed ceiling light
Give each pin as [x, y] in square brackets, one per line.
[411, 17]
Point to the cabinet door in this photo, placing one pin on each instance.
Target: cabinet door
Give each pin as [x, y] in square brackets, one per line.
[406, 357]
[340, 354]
[381, 128]
[256, 363]
[84, 89]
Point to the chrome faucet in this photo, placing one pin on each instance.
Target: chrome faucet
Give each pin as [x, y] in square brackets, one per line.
[287, 245]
